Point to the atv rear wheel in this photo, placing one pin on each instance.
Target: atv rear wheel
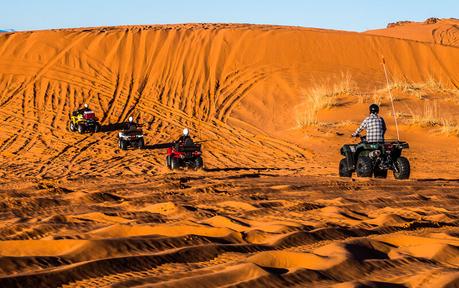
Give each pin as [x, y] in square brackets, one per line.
[80, 128]
[364, 166]
[123, 145]
[344, 170]
[96, 128]
[403, 166]
[175, 163]
[141, 143]
[198, 163]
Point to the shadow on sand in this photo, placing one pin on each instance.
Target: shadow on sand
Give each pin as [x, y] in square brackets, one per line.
[245, 169]
[113, 127]
[158, 146]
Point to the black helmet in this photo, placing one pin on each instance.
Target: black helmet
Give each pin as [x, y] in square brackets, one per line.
[374, 108]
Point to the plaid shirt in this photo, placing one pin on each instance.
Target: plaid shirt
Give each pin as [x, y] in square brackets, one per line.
[375, 126]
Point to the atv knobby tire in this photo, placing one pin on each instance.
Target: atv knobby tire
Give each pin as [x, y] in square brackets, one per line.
[175, 163]
[123, 145]
[344, 170]
[141, 143]
[403, 167]
[72, 127]
[198, 163]
[364, 166]
[168, 161]
[80, 128]
[96, 128]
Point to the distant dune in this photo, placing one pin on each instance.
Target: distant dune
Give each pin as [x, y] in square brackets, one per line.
[433, 30]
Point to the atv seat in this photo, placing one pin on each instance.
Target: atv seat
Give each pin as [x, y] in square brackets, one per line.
[187, 148]
[89, 115]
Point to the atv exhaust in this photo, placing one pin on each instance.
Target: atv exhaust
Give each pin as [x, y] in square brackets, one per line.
[375, 154]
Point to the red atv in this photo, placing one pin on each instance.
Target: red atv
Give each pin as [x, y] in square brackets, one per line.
[184, 155]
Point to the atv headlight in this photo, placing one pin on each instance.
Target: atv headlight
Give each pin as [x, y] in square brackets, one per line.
[139, 136]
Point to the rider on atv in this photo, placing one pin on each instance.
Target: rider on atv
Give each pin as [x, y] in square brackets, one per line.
[374, 156]
[84, 119]
[131, 125]
[184, 153]
[131, 135]
[374, 125]
[185, 138]
[84, 109]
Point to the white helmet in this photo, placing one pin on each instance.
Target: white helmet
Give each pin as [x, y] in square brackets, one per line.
[86, 105]
[186, 132]
[130, 118]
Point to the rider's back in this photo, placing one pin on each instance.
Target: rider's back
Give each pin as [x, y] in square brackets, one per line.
[375, 127]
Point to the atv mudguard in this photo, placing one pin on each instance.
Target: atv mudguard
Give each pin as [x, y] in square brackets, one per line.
[77, 119]
[369, 146]
[348, 151]
[353, 151]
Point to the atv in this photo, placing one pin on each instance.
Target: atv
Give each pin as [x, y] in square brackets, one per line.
[133, 137]
[83, 121]
[374, 159]
[184, 155]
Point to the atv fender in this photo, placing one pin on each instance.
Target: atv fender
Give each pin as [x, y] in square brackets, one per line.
[349, 155]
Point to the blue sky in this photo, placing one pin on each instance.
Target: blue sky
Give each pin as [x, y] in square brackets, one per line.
[354, 15]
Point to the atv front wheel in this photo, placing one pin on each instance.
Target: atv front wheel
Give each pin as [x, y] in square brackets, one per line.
[403, 168]
[80, 128]
[174, 163]
[344, 170]
[364, 166]
[72, 127]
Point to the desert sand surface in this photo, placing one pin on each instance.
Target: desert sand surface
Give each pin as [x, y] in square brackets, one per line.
[274, 105]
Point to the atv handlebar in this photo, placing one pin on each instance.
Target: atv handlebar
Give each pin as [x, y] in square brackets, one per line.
[362, 138]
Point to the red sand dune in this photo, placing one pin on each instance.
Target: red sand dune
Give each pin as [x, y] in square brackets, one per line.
[268, 210]
[433, 30]
[234, 82]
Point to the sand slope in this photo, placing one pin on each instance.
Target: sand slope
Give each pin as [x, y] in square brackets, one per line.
[268, 210]
[200, 76]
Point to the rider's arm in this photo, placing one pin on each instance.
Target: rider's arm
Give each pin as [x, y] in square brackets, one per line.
[362, 126]
[384, 125]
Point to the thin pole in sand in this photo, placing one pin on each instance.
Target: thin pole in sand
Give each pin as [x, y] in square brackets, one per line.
[390, 96]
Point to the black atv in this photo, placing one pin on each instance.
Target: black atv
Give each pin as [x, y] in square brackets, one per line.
[131, 137]
[374, 159]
